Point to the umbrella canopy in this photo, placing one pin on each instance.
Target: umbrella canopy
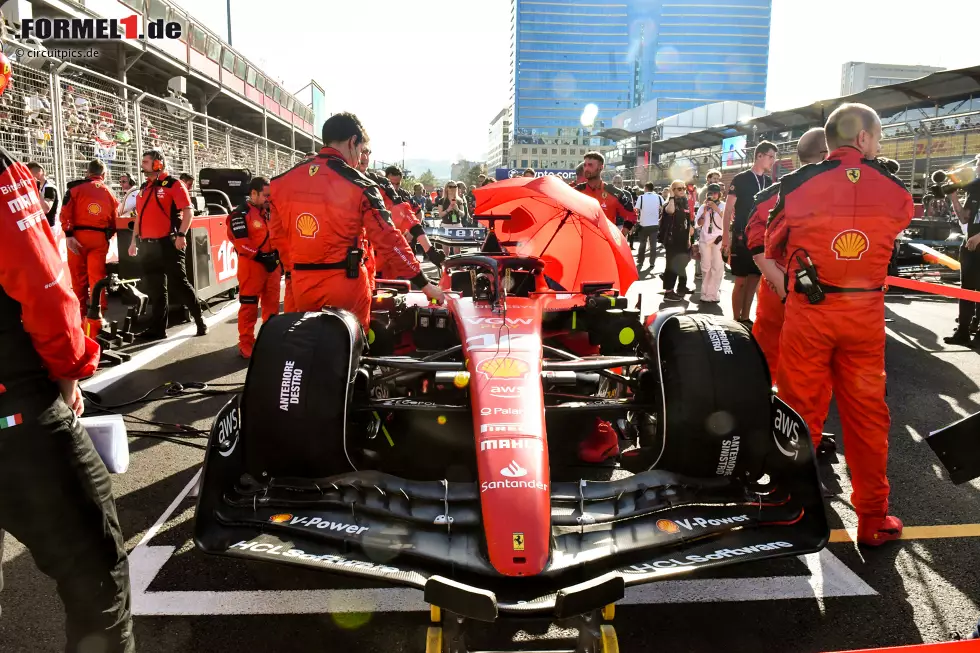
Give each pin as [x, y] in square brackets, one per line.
[565, 228]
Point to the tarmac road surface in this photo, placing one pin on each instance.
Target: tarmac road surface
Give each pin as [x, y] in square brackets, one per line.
[923, 589]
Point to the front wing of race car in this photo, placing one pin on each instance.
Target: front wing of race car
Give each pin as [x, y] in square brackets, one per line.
[428, 535]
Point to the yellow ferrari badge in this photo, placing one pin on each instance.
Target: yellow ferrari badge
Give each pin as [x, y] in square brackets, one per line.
[314, 169]
[518, 541]
[854, 174]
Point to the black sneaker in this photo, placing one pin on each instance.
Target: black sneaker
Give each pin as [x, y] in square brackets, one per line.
[958, 338]
[202, 328]
[684, 291]
[671, 296]
[827, 444]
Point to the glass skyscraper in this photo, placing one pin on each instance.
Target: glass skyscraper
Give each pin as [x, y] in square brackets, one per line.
[602, 57]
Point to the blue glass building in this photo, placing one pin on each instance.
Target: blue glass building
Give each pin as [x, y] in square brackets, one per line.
[618, 54]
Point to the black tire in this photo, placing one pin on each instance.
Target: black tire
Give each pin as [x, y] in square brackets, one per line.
[294, 406]
[714, 417]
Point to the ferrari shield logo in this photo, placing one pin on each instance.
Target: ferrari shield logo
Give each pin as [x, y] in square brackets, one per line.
[314, 169]
[518, 541]
[854, 174]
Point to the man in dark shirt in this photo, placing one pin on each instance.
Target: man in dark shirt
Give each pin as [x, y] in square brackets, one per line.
[738, 205]
[968, 214]
[47, 192]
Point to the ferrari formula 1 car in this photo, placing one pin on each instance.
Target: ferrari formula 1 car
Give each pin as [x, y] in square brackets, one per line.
[439, 450]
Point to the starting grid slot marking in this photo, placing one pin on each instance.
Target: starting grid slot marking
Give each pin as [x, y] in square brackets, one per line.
[915, 532]
[829, 577]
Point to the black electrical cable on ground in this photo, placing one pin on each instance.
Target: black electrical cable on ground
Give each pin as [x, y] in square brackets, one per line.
[169, 431]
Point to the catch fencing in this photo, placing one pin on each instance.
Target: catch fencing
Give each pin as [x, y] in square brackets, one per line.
[64, 118]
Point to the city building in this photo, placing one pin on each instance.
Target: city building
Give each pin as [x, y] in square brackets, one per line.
[498, 146]
[577, 64]
[857, 76]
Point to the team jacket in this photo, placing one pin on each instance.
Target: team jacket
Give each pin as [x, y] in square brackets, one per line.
[89, 204]
[319, 210]
[614, 202]
[399, 204]
[755, 230]
[40, 325]
[248, 230]
[845, 213]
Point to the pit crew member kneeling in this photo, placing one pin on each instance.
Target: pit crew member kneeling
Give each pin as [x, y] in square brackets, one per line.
[259, 269]
[319, 210]
[835, 225]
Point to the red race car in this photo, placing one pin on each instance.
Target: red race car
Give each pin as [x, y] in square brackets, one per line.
[439, 450]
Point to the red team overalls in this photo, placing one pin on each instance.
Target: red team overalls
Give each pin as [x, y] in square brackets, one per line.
[248, 229]
[89, 215]
[320, 210]
[845, 213]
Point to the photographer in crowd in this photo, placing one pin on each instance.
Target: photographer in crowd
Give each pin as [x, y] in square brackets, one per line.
[709, 219]
[968, 214]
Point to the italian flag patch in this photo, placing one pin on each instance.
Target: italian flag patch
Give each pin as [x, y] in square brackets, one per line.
[11, 420]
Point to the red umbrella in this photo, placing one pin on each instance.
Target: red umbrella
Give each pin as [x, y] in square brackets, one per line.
[566, 228]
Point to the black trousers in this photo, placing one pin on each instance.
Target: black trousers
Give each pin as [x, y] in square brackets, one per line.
[165, 271]
[969, 280]
[56, 498]
[676, 271]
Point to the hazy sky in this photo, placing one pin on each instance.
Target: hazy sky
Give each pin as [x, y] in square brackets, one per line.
[434, 72]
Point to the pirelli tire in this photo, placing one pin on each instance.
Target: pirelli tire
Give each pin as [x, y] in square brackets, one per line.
[714, 408]
[297, 393]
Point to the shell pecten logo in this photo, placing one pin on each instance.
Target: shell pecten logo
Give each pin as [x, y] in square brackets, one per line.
[850, 245]
[667, 526]
[281, 518]
[307, 225]
[94, 209]
[503, 368]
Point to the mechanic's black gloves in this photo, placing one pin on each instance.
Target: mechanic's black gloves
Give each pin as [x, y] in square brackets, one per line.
[436, 256]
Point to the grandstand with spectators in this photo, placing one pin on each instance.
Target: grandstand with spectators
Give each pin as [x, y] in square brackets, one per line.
[928, 124]
[195, 97]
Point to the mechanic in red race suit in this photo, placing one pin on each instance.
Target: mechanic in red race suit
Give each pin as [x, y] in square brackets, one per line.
[616, 204]
[812, 148]
[319, 212]
[603, 441]
[55, 492]
[88, 217]
[259, 269]
[403, 216]
[835, 225]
